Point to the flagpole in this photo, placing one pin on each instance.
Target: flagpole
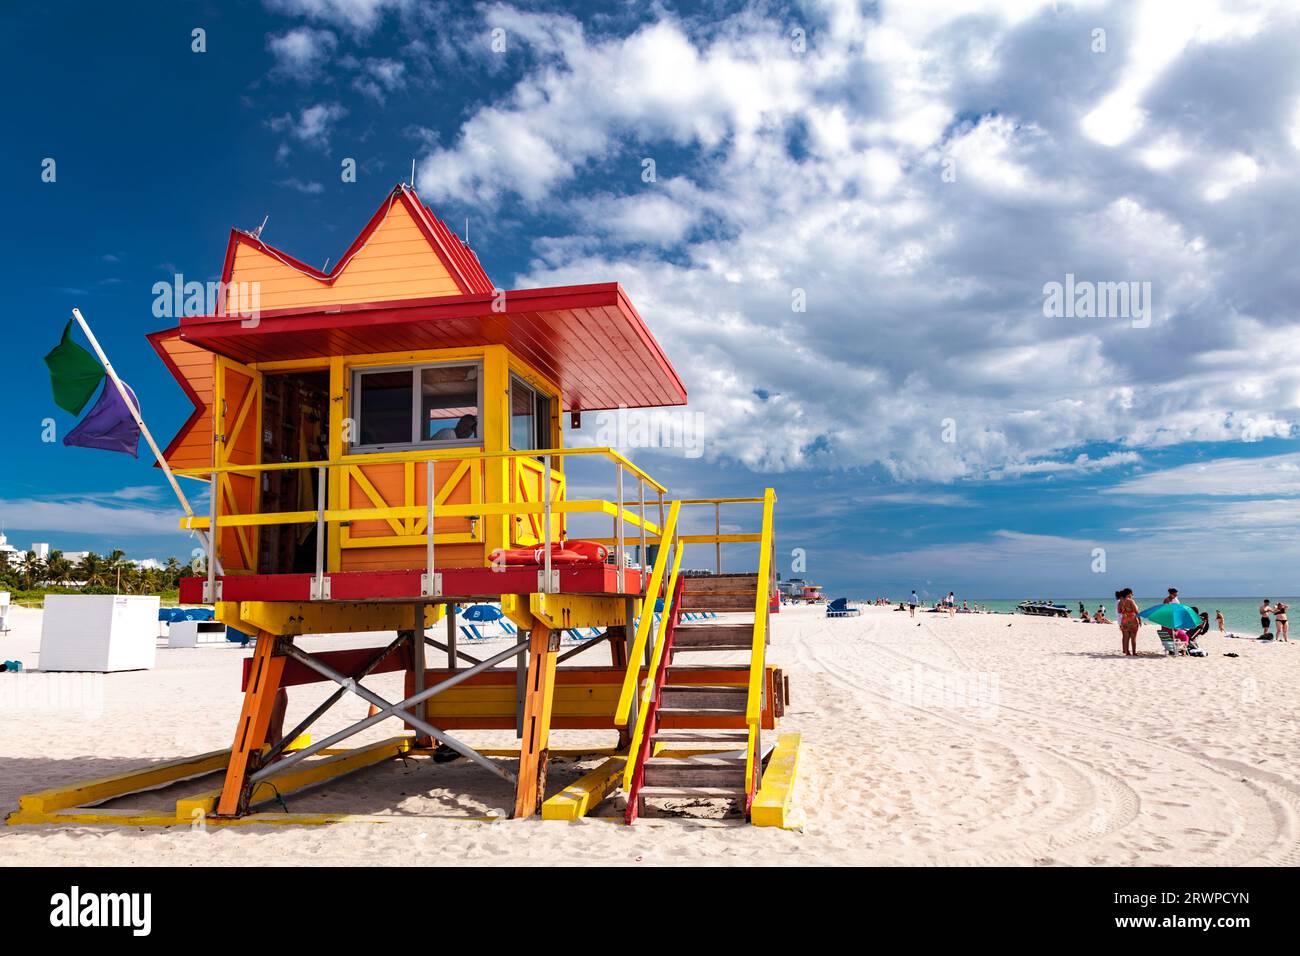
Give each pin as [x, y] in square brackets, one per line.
[135, 413]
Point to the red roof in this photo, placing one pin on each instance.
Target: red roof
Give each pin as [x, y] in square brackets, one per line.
[589, 339]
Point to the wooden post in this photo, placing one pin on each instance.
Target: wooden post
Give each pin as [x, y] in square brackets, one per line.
[538, 694]
[452, 661]
[418, 671]
[254, 722]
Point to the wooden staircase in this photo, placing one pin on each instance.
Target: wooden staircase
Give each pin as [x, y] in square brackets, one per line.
[705, 717]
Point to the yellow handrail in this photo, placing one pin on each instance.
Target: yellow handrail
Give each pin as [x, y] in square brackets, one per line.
[470, 510]
[636, 653]
[656, 657]
[447, 454]
[758, 651]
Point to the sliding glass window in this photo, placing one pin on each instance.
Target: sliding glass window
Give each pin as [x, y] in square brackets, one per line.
[417, 406]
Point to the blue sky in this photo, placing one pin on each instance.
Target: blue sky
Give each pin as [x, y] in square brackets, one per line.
[915, 174]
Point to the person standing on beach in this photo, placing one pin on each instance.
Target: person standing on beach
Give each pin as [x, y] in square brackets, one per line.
[1280, 619]
[1218, 617]
[1129, 622]
[1265, 610]
[911, 604]
[1172, 598]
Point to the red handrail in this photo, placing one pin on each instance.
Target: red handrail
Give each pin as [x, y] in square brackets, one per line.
[652, 715]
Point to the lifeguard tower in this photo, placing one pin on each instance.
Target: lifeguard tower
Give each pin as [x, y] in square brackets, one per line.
[383, 443]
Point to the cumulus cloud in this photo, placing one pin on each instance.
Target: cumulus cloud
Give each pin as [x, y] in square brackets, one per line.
[301, 52]
[911, 177]
[313, 124]
[360, 16]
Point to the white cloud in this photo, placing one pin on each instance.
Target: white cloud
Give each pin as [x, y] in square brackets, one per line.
[821, 173]
[312, 125]
[89, 514]
[301, 52]
[361, 16]
[1270, 476]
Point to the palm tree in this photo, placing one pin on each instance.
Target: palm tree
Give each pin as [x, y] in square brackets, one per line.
[58, 569]
[91, 569]
[31, 571]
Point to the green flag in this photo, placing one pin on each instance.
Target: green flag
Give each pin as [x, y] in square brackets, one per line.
[74, 373]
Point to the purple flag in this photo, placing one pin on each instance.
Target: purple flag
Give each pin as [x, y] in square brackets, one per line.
[109, 425]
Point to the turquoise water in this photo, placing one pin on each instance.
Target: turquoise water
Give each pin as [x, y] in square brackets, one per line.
[1240, 614]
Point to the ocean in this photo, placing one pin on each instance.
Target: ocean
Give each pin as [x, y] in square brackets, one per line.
[1240, 614]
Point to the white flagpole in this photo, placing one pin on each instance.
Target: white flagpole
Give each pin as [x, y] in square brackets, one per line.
[135, 413]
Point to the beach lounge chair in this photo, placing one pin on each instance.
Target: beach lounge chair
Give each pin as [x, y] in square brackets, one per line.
[840, 608]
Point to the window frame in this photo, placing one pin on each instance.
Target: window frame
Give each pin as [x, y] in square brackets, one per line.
[355, 375]
[539, 396]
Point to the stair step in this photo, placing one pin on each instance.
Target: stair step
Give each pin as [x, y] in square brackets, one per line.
[706, 601]
[687, 648]
[694, 635]
[702, 712]
[694, 772]
[701, 736]
[696, 583]
[703, 697]
[711, 793]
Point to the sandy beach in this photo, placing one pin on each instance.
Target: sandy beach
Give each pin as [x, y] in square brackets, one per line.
[976, 739]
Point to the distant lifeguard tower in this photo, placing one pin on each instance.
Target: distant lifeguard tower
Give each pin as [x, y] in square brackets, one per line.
[384, 442]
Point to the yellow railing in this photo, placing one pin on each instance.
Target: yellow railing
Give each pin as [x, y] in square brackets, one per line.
[758, 650]
[630, 512]
[636, 653]
[652, 672]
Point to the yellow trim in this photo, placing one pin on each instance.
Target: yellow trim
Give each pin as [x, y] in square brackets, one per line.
[773, 805]
[647, 691]
[636, 653]
[758, 649]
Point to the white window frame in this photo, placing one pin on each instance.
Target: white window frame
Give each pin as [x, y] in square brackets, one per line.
[538, 393]
[357, 373]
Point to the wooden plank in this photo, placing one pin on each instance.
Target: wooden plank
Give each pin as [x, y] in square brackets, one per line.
[530, 788]
[151, 777]
[581, 797]
[254, 720]
[774, 803]
[299, 776]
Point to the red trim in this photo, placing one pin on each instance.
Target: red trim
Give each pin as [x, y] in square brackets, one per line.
[652, 709]
[156, 339]
[460, 262]
[588, 339]
[460, 583]
[348, 661]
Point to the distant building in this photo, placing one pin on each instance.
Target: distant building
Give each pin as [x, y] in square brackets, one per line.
[9, 555]
[42, 549]
[797, 589]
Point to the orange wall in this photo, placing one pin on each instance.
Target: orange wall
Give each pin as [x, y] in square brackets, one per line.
[196, 367]
[396, 262]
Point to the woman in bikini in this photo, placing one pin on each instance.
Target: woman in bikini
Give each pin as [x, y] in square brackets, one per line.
[1283, 626]
[1129, 622]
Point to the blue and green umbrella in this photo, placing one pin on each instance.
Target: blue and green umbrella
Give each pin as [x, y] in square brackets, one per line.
[1176, 617]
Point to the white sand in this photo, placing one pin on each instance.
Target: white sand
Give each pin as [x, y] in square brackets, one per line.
[979, 739]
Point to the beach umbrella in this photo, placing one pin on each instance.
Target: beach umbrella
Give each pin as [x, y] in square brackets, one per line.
[481, 612]
[1173, 616]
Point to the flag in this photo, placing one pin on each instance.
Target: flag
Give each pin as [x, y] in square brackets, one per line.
[74, 373]
[109, 424]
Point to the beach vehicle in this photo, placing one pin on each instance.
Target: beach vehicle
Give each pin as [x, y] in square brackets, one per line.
[383, 442]
[1043, 609]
